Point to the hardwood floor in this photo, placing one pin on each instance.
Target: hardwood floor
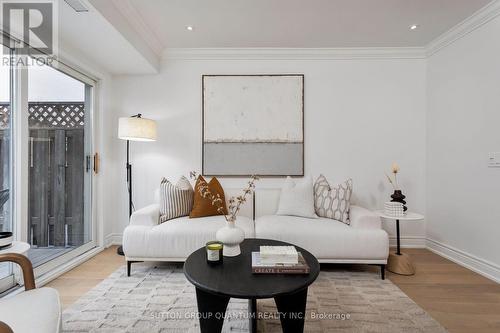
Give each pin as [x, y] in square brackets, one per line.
[73, 284]
[461, 300]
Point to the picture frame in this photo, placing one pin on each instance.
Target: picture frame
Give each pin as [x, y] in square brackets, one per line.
[253, 125]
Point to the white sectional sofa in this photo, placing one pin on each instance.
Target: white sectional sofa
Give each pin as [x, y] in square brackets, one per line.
[362, 242]
[145, 239]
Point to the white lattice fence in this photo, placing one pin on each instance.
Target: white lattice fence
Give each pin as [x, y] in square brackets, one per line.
[48, 115]
[56, 115]
[4, 116]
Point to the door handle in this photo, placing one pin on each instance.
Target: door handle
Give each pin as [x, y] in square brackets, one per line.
[97, 163]
[87, 163]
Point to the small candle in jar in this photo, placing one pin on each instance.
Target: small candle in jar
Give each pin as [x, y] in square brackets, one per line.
[214, 252]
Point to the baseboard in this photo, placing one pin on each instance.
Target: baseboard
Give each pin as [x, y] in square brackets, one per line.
[113, 239]
[478, 265]
[409, 242]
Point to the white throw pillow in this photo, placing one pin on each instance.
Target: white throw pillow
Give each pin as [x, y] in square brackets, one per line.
[175, 200]
[297, 198]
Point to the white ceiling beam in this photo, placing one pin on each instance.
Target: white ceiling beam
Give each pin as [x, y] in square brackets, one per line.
[123, 17]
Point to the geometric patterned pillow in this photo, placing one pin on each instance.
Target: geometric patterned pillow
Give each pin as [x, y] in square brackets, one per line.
[175, 200]
[333, 202]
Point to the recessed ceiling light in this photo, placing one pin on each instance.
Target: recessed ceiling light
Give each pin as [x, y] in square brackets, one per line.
[189, 28]
[414, 27]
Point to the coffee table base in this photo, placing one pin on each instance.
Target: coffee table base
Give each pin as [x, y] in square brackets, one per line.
[212, 309]
[400, 264]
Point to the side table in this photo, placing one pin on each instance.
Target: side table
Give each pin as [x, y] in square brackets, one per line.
[398, 262]
[16, 247]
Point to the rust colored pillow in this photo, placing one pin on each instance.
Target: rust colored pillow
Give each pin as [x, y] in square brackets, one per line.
[203, 206]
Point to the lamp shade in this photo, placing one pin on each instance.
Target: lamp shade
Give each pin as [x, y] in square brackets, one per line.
[136, 129]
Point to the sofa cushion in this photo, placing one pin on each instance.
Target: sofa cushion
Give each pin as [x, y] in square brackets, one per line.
[175, 200]
[297, 198]
[203, 206]
[332, 202]
[178, 238]
[325, 238]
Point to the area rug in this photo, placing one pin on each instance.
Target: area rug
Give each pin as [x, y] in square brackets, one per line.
[159, 299]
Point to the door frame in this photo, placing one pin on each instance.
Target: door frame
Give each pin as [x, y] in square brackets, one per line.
[10, 280]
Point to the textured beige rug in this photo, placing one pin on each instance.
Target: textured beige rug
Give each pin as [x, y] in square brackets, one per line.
[160, 299]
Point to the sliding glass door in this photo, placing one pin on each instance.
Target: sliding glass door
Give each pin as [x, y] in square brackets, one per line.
[60, 166]
[6, 279]
[46, 159]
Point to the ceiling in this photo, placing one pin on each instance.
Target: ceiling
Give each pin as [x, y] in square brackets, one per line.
[129, 36]
[298, 23]
[90, 36]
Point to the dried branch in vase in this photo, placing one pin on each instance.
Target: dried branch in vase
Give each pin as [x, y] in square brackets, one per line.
[394, 170]
[235, 202]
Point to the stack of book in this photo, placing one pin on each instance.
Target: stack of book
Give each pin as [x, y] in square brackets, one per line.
[279, 260]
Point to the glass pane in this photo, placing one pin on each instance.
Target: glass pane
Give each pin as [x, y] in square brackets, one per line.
[5, 149]
[57, 220]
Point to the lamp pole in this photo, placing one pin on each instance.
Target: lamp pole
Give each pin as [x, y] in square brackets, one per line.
[129, 180]
[128, 167]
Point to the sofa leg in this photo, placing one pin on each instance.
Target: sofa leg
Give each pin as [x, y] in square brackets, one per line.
[129, 266]
[382, 271]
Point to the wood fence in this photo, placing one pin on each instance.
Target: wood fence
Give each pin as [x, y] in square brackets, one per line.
[56, 171]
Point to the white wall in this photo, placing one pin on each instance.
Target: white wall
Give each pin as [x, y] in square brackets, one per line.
[360, 116]
[463, 210]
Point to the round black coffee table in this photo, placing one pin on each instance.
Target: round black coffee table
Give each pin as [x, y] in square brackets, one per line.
[216, 284]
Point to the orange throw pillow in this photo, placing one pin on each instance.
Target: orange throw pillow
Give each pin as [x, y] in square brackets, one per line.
[203, 206]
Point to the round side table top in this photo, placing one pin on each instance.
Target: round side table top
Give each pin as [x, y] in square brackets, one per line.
[234, 277]
[409, 216]
[16, 247]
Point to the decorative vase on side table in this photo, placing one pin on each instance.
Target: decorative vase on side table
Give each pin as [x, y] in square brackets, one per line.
[398, 196]
[231, 236]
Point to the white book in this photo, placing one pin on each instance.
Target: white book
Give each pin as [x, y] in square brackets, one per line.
[272, 255]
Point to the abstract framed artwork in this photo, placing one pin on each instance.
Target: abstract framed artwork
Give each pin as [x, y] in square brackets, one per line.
[253, 125]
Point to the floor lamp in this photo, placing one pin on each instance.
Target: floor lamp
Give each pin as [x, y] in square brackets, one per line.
[134, 128]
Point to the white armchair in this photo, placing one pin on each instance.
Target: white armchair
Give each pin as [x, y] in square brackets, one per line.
[35, 310]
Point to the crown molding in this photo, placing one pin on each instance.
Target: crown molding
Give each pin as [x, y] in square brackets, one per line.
[130, 13]
[294, 53]
[473, 22]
